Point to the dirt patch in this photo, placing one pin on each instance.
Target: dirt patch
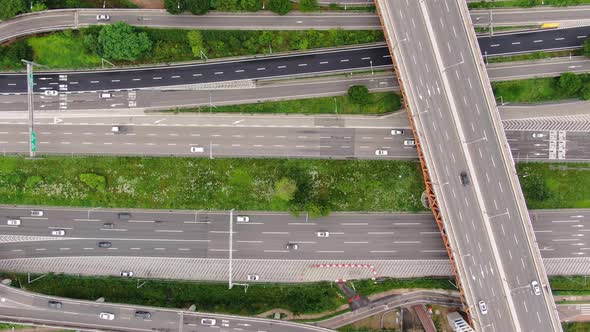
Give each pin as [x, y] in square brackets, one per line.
[151, 4]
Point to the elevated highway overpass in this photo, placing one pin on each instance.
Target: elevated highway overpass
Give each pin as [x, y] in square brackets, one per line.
[471, 180]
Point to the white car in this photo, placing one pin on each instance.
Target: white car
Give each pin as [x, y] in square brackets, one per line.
[538, 135]
[58, 232]
[115, 129]
[253, 277]
[243, 218]
[536, 288]
[409, 142]
[13, 222]
[397, 132]
[106, 315]
[197, 149]
[36, 213]
[103, 17]
[323, 234]
[127, 274]
[208, 321]
[483, 307]
[50, 93]
[105, 95]
[381, 152]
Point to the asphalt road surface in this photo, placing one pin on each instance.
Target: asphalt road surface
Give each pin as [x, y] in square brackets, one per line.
[69, 19]
[258, 136]
[465, 152]
[200, 234]
[273, 66]
[21, 306]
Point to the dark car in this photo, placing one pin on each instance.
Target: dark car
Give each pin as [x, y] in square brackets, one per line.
[124, 216]
[143, 314]
[104, 244]
[55, 304]
[464, 178]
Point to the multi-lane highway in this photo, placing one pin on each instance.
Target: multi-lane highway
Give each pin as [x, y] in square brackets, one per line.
[20, 306]
[368, 58]
[355, 237]
[69, 19]
[478, 203]
[254, 136]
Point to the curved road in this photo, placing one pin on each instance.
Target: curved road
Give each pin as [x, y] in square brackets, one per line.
[20, 306]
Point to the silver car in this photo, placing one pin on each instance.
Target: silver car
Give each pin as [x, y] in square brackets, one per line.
[103, 17]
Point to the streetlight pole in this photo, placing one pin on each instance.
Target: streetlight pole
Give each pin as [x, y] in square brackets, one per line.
[371, 62]
[231, 237]
[30, 101]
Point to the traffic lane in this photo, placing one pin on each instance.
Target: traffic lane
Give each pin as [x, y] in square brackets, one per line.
[211, 142]
[514, 256]
[513, 43]
[224, 21]
[549, 68]
[86, 314]
[542, 145]
[254, 68]
[426, 87]
[131, 246]
[32, 23]
[535, 15]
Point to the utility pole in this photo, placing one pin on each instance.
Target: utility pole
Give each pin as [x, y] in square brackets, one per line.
[30, 90]
[231, 237]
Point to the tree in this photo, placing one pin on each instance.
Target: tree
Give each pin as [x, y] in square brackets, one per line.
[197, 7]
[587, 47]
[227, 5]
[570, 83]
[38, 6]
[285, 189]
[10, 8]
[175, 6]
[120, 41]
[309, 5]
[280, 7]
[358, 94]
[91, 44]
[195, 40]
[251, 5]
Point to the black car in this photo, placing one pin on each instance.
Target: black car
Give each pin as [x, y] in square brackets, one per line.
[143, 314]
[104, 244]
[54, 304]
[464, 178]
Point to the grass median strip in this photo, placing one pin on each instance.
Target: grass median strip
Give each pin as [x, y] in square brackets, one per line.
[379, 103]
[536, 90]
[316, 186]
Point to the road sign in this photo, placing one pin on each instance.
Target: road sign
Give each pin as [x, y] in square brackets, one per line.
[34, 141]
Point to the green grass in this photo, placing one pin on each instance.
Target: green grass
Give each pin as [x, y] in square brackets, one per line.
[62, 50]
[576, 327]
[369, 287]
[6, 326]
[209, 297]
[382, 102]
[569, 285]
[533, 56]
[504, 28]
[533, 90]
[337, 313]
[552, 185]
[199, 183]
[525, 3]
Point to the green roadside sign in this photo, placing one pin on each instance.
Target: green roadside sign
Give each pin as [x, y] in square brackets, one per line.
[34, 141]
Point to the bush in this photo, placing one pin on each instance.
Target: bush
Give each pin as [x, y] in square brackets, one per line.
[280, 7]
[198, 7]
[570, 83]
[11, 55]
[33, 181]
[120, 41]
[38, 6]
[94, 181]
[285, 189]
[309, 5]
[10, 8]
[251, 5]
[358, 94]
[175, 6]
[195, 40]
